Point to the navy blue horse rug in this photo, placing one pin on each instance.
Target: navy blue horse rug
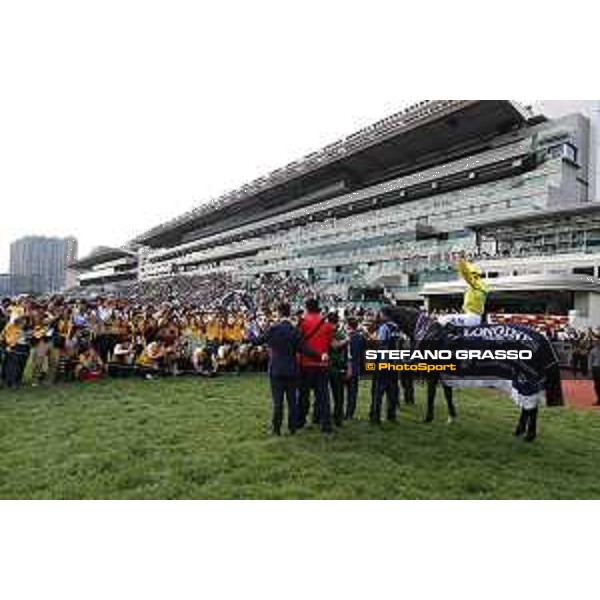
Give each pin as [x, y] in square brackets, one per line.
[513, 358]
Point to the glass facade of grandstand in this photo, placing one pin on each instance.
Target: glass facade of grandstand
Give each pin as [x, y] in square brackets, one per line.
[401, 233]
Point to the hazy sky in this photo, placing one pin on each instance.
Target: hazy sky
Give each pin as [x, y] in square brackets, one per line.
[115, 116]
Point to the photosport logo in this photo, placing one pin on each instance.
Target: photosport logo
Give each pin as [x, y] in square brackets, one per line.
[428, 361]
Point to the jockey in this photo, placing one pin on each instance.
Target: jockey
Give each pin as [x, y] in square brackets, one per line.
[474, 297]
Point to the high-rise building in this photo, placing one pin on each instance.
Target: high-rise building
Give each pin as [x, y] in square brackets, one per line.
[39, 264]
[5, 285]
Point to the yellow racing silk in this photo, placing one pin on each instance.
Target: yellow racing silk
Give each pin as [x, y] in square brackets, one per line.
[475, 295]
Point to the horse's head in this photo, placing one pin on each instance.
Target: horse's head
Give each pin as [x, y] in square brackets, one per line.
[404, 317]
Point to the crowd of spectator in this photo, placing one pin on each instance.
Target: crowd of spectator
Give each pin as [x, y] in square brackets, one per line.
[200, 290]
[202, 324]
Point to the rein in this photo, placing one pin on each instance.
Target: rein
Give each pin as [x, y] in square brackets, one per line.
[422, 326]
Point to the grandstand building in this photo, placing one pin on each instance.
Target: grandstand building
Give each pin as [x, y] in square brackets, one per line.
[387, 206]
[105, 269]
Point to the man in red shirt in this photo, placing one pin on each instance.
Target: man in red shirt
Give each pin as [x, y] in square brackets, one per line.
[317, 336]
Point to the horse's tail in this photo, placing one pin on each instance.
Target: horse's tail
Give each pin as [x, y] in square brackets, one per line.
[554, 395]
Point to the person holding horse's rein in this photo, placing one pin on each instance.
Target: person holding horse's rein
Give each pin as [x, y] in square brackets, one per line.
[474, 297]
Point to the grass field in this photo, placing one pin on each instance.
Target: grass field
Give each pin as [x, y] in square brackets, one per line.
[190, 438]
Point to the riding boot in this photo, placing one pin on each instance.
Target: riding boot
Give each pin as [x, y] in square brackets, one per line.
[522, 424]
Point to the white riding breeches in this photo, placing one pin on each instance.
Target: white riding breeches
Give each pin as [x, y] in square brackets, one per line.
[462, 320]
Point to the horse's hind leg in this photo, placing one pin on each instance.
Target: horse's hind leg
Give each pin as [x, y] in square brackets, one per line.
[449, 402]
[554, 396]
[432, 382]
[531, 432]
[522, 424]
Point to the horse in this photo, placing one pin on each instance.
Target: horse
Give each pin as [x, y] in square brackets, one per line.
[526, 382]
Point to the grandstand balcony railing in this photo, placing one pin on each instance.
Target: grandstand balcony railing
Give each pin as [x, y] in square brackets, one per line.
[387, 227]
[567, 256]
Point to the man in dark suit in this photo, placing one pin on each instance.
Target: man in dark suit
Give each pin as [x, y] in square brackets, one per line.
[337, 367]
[356, 348]
[385, 382]
[406, 377]
[283, 340]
